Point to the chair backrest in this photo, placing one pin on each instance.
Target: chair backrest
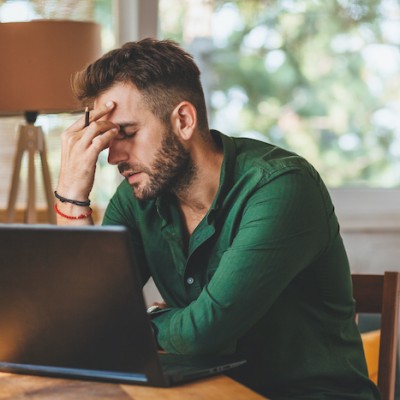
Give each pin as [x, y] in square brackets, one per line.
[380, 294]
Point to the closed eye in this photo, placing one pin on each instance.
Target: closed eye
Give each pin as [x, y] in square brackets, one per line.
[123, 134]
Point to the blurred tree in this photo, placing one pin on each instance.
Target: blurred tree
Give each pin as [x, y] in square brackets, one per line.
[319, 77]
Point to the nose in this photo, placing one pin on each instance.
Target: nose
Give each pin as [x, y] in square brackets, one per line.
[117, 152]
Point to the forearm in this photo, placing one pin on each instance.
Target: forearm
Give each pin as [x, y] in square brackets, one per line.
[81, 146]
[188, 331]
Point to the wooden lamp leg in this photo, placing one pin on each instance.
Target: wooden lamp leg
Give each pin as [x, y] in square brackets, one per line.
[31, 140]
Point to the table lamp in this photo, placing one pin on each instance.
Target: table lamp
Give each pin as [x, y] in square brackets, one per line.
[38, 60]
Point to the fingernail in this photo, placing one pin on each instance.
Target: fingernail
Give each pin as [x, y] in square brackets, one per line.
[109, 104]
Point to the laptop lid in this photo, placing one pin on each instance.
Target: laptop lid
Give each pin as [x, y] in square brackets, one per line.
[71, 304]
[71, 298]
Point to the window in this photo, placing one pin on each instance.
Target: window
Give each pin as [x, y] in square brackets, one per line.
[315, 76]
[319, 77]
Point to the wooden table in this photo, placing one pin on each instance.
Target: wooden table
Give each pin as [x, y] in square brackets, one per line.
[23, 387]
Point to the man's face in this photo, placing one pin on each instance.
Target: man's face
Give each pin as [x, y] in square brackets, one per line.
[148, 154]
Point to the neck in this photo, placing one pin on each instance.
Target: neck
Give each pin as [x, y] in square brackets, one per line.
[200, 193]
[196, 199]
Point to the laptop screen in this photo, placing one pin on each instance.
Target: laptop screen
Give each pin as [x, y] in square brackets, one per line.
[72, 298]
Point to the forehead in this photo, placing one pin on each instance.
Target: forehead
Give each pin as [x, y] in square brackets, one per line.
[127, 99]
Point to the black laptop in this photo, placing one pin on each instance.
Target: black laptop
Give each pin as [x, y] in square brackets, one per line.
[71, 305]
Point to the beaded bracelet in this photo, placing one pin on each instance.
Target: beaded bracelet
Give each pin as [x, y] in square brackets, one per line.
[76, 202]
[81, 216]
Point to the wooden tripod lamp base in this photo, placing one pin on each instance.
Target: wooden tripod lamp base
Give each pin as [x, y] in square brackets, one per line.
[31, 140]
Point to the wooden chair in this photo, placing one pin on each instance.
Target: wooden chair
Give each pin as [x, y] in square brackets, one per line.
[379, 294]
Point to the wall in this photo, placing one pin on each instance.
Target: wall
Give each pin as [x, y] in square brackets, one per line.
[370, 226]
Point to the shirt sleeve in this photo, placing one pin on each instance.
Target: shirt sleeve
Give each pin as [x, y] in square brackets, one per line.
[283, 230]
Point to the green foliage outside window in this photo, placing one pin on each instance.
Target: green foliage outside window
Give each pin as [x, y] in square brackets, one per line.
[320, 78]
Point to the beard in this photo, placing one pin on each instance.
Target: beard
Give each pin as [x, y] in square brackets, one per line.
[171, 171]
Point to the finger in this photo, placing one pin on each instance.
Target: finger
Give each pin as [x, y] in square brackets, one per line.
[103, 141]
[93, 116]
[96, 129]
[162, 305]
[101, 111]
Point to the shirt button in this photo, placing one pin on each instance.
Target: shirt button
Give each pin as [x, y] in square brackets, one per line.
[190, 280]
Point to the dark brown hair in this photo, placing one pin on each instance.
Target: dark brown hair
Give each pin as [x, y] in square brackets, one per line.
[162, 71]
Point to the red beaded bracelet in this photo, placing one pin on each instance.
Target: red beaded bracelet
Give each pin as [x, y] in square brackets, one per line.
[82, 216]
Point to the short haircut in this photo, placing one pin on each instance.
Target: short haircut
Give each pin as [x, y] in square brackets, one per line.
[162, 71]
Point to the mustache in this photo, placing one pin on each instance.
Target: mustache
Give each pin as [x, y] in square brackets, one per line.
[133, 168]
[124, 166]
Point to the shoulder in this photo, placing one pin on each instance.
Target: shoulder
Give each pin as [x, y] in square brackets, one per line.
[267, 160]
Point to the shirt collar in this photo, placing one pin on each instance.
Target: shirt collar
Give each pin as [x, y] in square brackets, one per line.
[227, 171]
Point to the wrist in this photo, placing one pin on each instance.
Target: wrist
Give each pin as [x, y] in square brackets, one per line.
[68, 211]
[74, 201]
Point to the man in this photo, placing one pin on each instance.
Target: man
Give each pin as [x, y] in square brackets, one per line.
[239, 236]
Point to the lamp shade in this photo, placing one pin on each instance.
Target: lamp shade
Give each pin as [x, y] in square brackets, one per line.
[37, 61]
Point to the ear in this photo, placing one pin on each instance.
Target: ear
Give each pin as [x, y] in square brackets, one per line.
[184, 119]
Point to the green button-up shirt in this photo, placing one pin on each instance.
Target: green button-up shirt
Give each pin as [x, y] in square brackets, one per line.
[265, 274]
